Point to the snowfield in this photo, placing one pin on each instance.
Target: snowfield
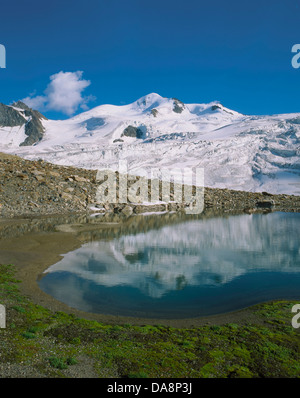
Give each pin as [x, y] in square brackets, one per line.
[241, 152]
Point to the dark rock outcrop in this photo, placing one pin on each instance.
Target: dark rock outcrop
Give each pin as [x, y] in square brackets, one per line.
[178, 106]
[10, 117]
[132, 131]
[154, 112]
[221, 108]
[215, 107]
[34, 130]
[19, 114]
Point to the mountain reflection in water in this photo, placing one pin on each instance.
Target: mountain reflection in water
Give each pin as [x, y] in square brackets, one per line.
[233, 261]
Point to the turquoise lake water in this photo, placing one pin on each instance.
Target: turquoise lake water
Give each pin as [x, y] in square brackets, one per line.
[191, 269]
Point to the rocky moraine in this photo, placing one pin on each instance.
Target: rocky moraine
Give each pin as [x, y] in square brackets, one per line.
[34, 188]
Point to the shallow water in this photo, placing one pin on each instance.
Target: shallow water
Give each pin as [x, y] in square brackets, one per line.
[191, 268]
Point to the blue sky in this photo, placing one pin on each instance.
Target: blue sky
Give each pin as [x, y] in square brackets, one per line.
[236, 52]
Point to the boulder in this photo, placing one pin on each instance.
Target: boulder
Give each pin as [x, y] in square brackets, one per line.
[66, 196]
[127, 210]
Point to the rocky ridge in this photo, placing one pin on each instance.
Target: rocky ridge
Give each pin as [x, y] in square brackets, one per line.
[19, 114]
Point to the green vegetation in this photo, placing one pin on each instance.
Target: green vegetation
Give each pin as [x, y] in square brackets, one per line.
[61, 363]
[56, 344]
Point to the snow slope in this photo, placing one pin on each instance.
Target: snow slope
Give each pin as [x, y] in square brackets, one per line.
[242, 152]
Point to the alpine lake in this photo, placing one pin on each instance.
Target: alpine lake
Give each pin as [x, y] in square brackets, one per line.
[159, 266]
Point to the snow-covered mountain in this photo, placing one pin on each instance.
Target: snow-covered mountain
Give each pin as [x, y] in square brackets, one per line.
[252, 153]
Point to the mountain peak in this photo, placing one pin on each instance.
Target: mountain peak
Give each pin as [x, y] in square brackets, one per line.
[20, 105]
[149, 101]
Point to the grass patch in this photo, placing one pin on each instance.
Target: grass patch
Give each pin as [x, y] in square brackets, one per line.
[28, 335]
[61, 363]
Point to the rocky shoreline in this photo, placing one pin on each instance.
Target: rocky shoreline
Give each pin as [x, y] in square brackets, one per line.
[32, 188]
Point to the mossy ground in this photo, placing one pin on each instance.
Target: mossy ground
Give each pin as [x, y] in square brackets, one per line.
[40, 343]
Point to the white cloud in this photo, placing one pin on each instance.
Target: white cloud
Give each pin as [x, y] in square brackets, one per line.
[37, 102]
[63, 94]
